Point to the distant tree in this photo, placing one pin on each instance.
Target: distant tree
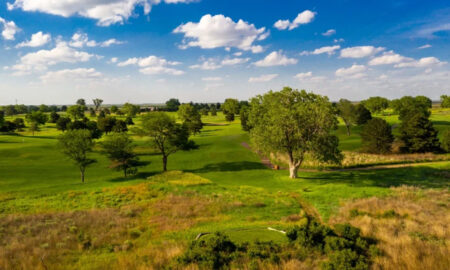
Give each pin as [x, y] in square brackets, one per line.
[347, 112]
[213, 110]
[204, 112]
[120, 126]
[44, 108]
[63, 108]
[377, 137]
[81, 102]
[33, 127]
[243, 115]
[418, 135]
[445, 101]
[92, 112]
[231, 106]
[62, 123]
[76, 144]
[130, 109]
[408, 106]
[376, 104]
[119, 148]
[97, 103]
[76, 112]
[106, 111]
[106, 124]
[166, 135]
[54, 116]
[446, 140]
[362, 115]
[172, 105]
[53, 108]
[114, 109]
[35, 119]
[294, 123]
[102, 114]
[424, 101]
[229, 117]
[10, 110]
[96, 133]
[191, 118]
[19, 124]
[129, 121]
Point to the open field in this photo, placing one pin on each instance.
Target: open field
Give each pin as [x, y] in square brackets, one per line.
[49, 219]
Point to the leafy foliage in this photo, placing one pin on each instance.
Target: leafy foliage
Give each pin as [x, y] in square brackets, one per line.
[347, 112]
[362, 114]
[445, 101]
[172, 105]
[376, 104]
[418, 135]
[190, 117]
[119, 148]
[377, 137]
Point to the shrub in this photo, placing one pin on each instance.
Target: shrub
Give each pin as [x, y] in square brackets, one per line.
[229, 117]
[446, 141]
[346, 259]
[377, 137]
[312, 234]
[418, 135]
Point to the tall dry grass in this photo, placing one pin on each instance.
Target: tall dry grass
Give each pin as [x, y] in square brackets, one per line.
[412, 227]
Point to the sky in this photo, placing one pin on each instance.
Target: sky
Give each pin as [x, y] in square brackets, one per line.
[147, 51]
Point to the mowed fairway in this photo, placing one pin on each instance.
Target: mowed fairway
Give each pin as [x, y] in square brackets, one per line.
[32, 167]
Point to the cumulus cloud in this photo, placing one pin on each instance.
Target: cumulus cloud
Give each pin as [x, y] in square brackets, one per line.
[276, 59]
[152, 65]
[37, 40]
[304, 17]
[360, 51]
[355, 71]
[329, 33]
[71, 75]
[212, 64]
[9, 29]
[330, 50]
[105, 12]
[40, 60]
[80, 40]
[263, 78]
[303, 75]
[421, 63]
[220, 31]
[426, 46]
[389, 58]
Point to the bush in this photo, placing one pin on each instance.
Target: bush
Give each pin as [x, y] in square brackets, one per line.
[312, 234]
[346, 259]
[377, 137]
[446, 141]
[229, 117]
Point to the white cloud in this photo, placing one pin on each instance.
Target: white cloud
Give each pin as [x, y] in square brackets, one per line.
[389, 58]
[71, 75]
[360, 51]
[106, 12]
[220, 31]
[338, 40]
[426, 46]
[329, 33]
[40, 60]
[213, 64]
[355, 71]
[234, 61]
[263, 78]
[211, 79]
[9, 29]
[114, 60]
[152, 65]
[276, 59]
[330, 50]
[304, 75]
[304, 17]
[421, 63]
[80, 40]
[37, 40]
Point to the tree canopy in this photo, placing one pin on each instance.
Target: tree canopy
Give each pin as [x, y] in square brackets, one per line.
[347, 112]
[119, 148]
[190, 117]
[377, 137]
[294, 123]
[172, 104]
[376, 104]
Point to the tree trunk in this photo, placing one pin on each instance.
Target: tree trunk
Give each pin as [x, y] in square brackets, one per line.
[82, 174]
[165, 163]
[348, 130]
[293, 169]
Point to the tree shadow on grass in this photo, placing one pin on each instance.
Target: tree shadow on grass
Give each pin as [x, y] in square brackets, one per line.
[421, 176]
[138, 176]
[230, 167]
[441, 123]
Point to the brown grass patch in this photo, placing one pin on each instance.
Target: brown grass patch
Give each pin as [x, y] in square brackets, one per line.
[412, 227]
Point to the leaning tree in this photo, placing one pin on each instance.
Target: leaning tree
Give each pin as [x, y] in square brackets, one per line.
[294, 123]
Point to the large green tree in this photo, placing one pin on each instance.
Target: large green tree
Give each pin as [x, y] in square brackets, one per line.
[172, 105]
[377, 137]
[376, 104]
[76, 112]
[408, 106]
[362, 115]
[418, 135]
[119, 148]
[130, 110]
[190, 117]
[445, 101]
[347, 112]
[230, 108]
[165, 134]
[295, 123]
[76, 144]
[35, 119]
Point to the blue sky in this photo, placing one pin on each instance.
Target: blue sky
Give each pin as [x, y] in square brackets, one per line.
[147, 51]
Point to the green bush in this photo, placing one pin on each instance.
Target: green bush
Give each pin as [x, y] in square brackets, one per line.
[346, 259]
[446, 141]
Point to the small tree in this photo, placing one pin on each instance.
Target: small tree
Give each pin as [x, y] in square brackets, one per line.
[54, 116]
[97, 103]
[418, 135]
[81, 102]
[35, 119]
[376, 104]
[114, 108]
[166, 135]
[362, 115]
[445, 101]
[230, 107]
[229, 117]
[294, 123]
[76, 112]
[347, 112]
[76, 144]
[130, 109]
[213, 110]
[172, 105]
[19, 123]
[377, 137]
[446, 141]
[190, 117]
[119, 148]
[106, 124]
[62, 123]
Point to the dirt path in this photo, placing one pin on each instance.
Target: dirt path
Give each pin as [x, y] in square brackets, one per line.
[266, 162]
